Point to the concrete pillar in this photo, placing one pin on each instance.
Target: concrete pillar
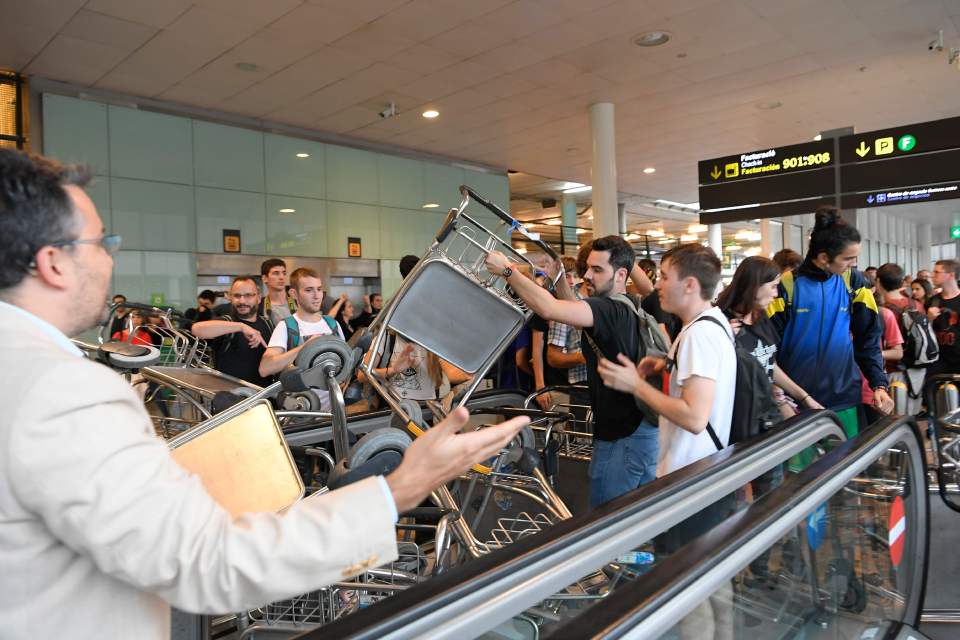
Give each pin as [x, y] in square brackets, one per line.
[604, 171]
[622, 219]
[766, 242]
[568, 216]
[924, 242]
[715, 239]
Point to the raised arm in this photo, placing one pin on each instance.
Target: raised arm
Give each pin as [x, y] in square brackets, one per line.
[577, 314]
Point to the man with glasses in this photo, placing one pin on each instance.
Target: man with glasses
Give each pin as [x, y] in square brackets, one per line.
[239, 337]
[944, 314]
[100, 529]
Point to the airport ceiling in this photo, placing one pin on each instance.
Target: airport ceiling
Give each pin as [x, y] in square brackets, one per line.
[512, 79]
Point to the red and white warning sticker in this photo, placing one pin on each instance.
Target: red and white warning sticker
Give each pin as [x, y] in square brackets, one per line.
[897, 531]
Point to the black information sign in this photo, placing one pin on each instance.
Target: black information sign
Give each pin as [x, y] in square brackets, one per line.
[231, 240]
[902, 165]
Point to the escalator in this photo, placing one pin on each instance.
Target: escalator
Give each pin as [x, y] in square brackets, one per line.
[838, 550]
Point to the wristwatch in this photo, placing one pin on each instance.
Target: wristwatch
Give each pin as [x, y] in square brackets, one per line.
[506, 273]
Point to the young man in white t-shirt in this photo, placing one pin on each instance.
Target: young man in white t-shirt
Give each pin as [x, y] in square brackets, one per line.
[308, 291]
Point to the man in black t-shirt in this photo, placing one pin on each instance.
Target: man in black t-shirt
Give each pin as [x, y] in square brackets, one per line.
[944, 314]
[239, 338]
[625, 434]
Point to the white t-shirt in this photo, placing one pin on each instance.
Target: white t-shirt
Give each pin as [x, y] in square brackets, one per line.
[705, 350]
[278, 339]
[414, 382]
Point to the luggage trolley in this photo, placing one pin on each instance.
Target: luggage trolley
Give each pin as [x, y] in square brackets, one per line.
[451, 307]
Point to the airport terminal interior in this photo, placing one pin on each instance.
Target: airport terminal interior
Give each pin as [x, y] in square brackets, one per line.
[522, 208]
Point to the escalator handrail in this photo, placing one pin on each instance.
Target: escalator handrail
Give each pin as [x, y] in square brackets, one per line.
[649, 607]
[589, 540]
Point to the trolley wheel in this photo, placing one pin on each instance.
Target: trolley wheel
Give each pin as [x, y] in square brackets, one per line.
[306, 400]
[376, 442]
[523, 440]
[412, 409]
[326, 350]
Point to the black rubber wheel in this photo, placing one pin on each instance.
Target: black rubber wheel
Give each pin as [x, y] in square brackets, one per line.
[299, 401]
[412, 409]
[376, 442]
[324, 350]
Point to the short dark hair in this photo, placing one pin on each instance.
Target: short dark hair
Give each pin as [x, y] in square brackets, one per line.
[245, 279]
[207, 294]
[35, 209]
[740, 296]
[582, 254]
[890, 276]
[831, 234]
[787, 259]
[407, 263]
[119, 295]
[270, 263]
[622, 255]
[375, 294]
[696, 261]
[950, 265]
[869, 268]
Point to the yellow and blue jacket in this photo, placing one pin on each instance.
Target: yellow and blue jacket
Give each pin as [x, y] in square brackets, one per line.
[830, 331]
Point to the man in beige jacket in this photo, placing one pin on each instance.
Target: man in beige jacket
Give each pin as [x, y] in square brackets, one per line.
[100, 530]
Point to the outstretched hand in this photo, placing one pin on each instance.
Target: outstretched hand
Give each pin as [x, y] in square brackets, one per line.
[442, 454]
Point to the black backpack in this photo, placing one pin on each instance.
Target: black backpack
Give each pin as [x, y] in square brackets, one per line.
[754, 411]
[920, 347]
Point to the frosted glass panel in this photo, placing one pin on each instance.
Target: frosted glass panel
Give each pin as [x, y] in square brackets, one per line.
[352, 175]
[218, 210]
[172, 274]
[441, 184]
[300, 233]
[228, 157]
[154, 215]
[76, 131]
[403, 231]
[128, 276]
[353, 220]
[291, 175]
[99, 191]
[150, 146]
[401, 182]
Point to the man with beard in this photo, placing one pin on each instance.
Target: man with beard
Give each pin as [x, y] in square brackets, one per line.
[100, 528]
[625, 431]
[239, 337]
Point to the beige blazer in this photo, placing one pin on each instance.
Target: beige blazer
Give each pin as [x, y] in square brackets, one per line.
[100, 529]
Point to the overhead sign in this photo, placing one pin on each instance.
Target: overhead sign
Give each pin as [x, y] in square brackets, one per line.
[231, 240]
[955, 232]
[354, 247]
[903, 165]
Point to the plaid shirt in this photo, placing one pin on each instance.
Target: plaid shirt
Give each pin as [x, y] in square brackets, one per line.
[568, 338]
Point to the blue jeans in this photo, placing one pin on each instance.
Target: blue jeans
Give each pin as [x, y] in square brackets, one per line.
[619, 466]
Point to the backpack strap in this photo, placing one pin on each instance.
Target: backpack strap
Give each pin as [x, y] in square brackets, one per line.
[293, 332]
[710, 430]
[713, 436]
[332, 323]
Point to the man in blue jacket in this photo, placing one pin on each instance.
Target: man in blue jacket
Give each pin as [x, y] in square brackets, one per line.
[829, 324]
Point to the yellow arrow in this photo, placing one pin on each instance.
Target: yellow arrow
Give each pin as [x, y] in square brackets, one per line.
[863, 149]
[715, 173]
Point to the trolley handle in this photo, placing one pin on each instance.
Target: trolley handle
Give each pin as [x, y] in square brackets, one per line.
[468, 193]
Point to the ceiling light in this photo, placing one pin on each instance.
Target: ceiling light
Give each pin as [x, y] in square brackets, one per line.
[578, 189]
[303, 155]
[732, 247]
[693, 205]
[246, 66]
[590, 217]
[287, 210]
[655, 233]
[768, 105]
[748, 235]
[579, 231]
[431, 205]
[686, 237]
[817, 138]
[649, 170]
[672, 203]
[554, 222]
[652, 38]
[632, 236]
[431, 113]
[697, 228]
[520, 250]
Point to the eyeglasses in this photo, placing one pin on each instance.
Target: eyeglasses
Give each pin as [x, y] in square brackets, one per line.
[110, 244]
